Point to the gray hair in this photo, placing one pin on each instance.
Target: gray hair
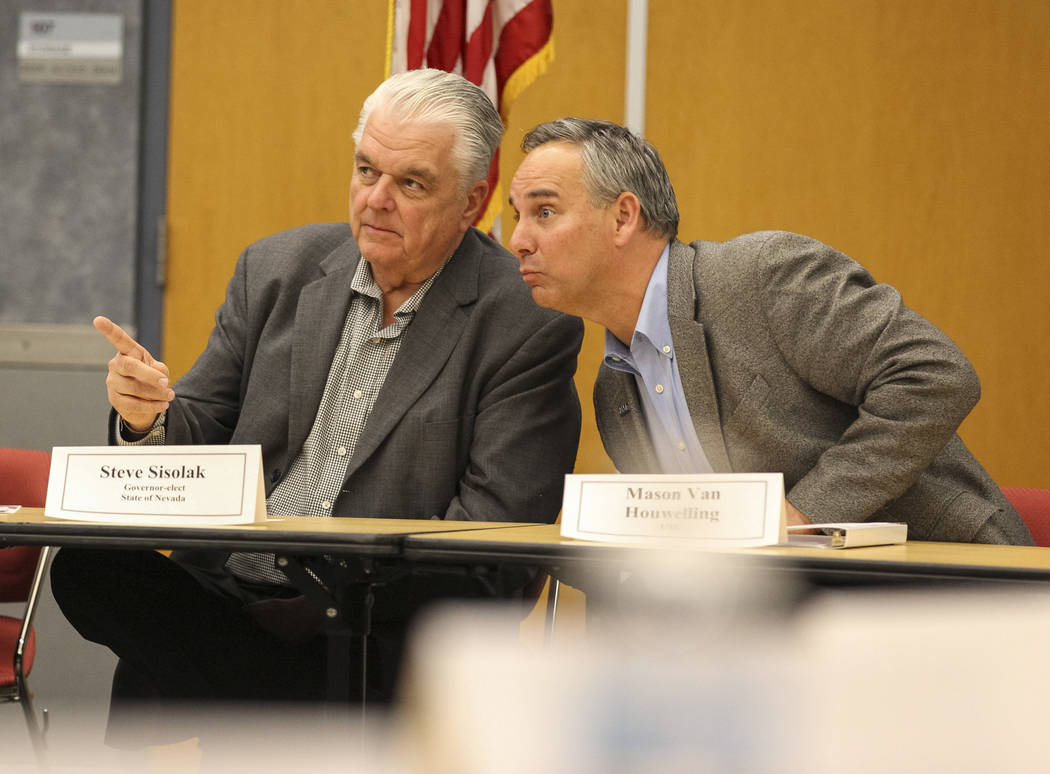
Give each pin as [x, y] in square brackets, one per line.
[616, 160]
[431, 96]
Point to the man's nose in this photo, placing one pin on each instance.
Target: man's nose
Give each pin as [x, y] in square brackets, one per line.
[520, 243]
[380, 194]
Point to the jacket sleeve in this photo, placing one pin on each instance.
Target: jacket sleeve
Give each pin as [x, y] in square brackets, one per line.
[208, 398]
[854, 340]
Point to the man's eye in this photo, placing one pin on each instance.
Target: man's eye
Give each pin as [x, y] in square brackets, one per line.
[413, 185]
[364, 171]
[545, 212]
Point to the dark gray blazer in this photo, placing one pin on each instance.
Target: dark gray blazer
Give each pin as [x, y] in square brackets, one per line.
[478, 418]
[795, 360]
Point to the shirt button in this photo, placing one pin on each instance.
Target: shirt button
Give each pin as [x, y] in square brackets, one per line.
[681, 446]
[375, 339]
[659, 389]
[358, 394]
[667, 349]
[326, 505]
[341, 451]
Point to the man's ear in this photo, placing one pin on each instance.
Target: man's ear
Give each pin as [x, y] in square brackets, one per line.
[628, 213]
[475, 198]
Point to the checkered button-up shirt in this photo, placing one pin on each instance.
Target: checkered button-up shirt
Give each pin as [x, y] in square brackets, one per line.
[362, 359]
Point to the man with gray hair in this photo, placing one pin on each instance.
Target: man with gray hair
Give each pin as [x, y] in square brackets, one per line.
[393, 367]
[770, 352]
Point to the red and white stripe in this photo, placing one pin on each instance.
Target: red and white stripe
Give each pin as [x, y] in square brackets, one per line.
[500, 45]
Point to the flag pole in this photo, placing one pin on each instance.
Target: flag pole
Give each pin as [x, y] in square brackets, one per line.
[637, 53]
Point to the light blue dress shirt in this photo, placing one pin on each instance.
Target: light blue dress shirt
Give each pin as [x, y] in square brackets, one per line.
[652, 362]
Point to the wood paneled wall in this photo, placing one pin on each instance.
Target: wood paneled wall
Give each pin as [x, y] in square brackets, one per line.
[913, 136]
[264, 97]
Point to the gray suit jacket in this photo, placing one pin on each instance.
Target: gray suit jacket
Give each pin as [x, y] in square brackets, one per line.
[478, 418]
[795, 360]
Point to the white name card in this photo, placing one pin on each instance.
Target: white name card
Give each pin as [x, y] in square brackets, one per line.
[711, 510]
[163, 485]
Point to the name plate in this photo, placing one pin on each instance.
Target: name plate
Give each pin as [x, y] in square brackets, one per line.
[712, 510]
[162, 485]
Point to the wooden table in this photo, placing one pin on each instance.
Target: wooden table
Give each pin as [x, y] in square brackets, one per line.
[543, 545]
[361, 554]
[367, 552]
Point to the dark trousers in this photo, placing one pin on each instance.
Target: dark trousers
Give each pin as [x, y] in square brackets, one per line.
[184, 640]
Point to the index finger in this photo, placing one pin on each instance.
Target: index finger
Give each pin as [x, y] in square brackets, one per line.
[119, 338]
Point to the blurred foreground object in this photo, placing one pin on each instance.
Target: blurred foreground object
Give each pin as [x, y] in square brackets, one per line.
[714, 676]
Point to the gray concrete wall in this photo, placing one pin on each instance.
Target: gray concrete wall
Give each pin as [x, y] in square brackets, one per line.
[69, 190]
[68, 181]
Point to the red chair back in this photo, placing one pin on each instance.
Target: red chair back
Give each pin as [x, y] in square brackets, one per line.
[1034, 507]
[23, 481]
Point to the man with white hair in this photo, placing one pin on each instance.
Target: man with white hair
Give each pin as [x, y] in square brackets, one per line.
[393, 367]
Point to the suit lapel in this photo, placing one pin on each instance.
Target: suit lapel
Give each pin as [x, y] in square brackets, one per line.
[623, 429]
[694, 365]
[428, 343]
[319, 320]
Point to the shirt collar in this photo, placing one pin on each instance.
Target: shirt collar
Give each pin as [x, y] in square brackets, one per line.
[653, 325]
[363, 283]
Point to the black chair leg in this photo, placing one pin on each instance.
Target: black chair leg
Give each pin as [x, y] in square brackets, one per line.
[37, 733]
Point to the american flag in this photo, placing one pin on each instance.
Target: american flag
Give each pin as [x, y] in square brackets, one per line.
[500, 45]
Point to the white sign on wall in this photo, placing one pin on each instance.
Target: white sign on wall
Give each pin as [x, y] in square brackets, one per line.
[70, 48]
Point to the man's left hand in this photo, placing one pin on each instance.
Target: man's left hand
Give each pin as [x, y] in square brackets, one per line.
[794, 515]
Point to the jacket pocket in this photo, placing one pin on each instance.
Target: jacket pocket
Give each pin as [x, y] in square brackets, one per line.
[440, 461]
[946, 513]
